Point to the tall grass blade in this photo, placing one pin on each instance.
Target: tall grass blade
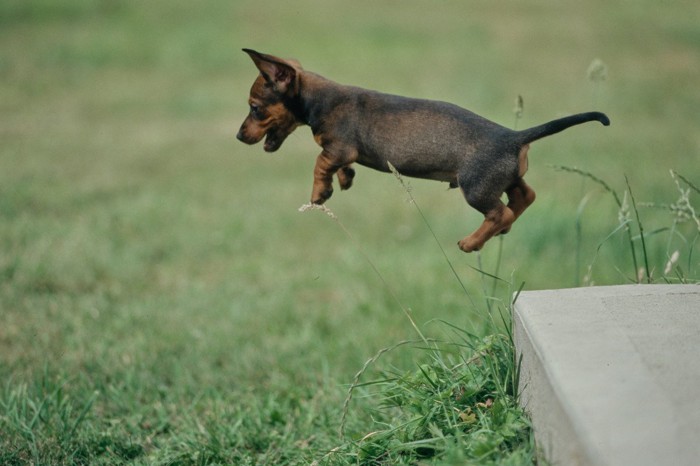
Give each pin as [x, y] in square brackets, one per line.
[356, 381]
[329, 213]
[83, 413]
[686, 181]
[641, 231]
[407, 188]
[592, 177]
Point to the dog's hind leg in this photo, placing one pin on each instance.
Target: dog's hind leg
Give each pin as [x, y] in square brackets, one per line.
[497, 219]
[483, 188]
[520, 197]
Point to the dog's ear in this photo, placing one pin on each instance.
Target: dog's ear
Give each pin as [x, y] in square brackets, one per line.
[281, 74]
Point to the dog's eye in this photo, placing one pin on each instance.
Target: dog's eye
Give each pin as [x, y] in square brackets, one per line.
[254, 109]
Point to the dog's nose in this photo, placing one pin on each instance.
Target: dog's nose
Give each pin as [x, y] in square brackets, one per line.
[239, 135]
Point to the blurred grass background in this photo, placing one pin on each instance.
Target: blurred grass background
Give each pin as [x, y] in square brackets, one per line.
[148, 256]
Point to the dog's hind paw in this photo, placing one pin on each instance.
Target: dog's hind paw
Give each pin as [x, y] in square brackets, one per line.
[468, 244]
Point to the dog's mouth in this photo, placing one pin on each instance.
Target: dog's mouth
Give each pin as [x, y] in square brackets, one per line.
[273, 141]
[274, 135]
[271, 144]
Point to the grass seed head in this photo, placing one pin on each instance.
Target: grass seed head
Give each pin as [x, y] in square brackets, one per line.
[320, 207]
[597, 71]
[519, 107]
[671, 262]
[623, 214]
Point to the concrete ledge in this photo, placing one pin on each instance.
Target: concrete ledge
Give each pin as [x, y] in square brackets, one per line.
[611, 375]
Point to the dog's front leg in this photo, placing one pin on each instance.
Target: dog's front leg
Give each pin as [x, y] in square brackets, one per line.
[345, 177]
[323, 178]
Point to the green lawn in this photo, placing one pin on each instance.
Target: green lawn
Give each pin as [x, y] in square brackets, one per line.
[162, 300]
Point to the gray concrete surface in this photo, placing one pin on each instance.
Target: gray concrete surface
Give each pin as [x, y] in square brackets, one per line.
[611, 375]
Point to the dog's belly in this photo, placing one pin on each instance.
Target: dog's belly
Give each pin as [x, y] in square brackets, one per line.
[425, 167]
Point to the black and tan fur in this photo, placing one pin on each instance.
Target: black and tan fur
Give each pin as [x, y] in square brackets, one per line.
[421, 138]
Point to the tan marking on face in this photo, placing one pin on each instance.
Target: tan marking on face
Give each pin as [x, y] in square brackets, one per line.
[267, 113]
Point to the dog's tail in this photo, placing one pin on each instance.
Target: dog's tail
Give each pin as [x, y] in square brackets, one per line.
[538, 132]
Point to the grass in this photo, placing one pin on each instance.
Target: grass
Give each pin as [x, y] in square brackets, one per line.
[460, 406]
[163, 302]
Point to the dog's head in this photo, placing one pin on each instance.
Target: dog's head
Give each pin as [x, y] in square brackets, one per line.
[273, 90]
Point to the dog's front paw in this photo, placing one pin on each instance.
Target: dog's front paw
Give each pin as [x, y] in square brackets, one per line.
[322, 197]
[345, 177]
